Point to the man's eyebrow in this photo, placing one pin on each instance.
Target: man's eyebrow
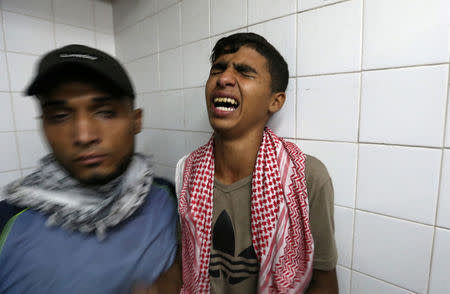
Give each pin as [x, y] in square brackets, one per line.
[103, 99]
[60, 103]
[244, 68]
[53, 103]
[219, 65]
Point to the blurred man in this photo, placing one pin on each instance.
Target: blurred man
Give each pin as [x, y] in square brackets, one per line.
[92, 218]
[256, 213]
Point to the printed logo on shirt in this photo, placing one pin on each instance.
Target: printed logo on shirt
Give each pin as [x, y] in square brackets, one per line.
[224, 261]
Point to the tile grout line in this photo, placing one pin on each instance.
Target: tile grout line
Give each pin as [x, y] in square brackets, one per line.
[52, 7]
[16, 137]
[291, 76]
[394, 217]
[304, 139]
[95, 23]
[53, 19]
[384, 281]
[372, 69]
[297, 95]
[358, 144]
[124, 28]
[440, 183]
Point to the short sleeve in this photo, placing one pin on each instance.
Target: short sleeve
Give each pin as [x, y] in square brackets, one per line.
[321, 214]
[179, 174]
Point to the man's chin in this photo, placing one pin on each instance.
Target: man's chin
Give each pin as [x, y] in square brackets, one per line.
[95, 179]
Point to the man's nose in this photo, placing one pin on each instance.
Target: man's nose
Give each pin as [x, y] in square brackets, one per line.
[85, 131]
[226, 78]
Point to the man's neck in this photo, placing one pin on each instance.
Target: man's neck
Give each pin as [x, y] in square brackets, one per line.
[235, 158]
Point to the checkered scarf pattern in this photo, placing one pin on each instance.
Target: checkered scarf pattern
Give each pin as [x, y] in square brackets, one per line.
[279, 217]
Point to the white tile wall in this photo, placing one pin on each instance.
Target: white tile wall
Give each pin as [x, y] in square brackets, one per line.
[67, 34]
[4, 83]
[171, 70]
[146, 103]
[169, 29]
[138, 40]
[340, 160]
[195, 115]
[39, 8]
[443, 214]
[29, 111]
[196, 63]
[20, 68]
[343, 275]
[336, 42]
[161, 4]
[29, 29]
[261, 10]
[417, 35]
[28, 34]
[390, 181]
[285, 42]
[6, 117]
[447, 133]
[308, 4]
[343, 218]
[194, 20]
[176, 147]
[8, 157]
[393, 250]
[283, 122]
[105, 42]
[404, 106]
[78, 13]
[153, 142]
[145, 8]
[363, 284]
[171, 110]
[32, 147]
[2, 45]
[103, 15]
[329, 39]
[165, 172]
[228, 15]
[7, 177]
[194, 140]
[328, 107]
[124, 14]
[440, 279]
[144, 74]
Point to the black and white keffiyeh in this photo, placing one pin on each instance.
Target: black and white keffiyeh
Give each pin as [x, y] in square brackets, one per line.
[74, 206]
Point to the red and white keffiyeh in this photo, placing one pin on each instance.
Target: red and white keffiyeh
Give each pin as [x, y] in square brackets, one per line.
[279, 217]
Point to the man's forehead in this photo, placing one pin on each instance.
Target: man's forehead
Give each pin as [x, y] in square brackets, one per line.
[244, 55]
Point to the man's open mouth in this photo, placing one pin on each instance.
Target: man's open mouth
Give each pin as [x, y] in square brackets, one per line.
[225, 103]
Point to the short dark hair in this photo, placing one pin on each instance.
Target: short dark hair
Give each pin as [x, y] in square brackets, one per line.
[278, 67]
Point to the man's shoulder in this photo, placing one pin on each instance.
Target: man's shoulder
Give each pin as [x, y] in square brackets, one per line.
[315, 171]
[7, 212]
[164, 186]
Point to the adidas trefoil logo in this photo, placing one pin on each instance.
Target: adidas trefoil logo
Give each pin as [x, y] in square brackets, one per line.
[234, 269]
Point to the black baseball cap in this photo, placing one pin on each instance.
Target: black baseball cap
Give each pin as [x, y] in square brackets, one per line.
[84, 61]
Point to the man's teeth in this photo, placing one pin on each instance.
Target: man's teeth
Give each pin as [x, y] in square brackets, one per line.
[222, 108]
[225, 100]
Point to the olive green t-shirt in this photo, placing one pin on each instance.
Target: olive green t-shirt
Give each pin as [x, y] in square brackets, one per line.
[233, 264]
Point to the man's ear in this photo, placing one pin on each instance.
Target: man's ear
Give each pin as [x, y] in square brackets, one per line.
[137, 117]
[277, 102]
